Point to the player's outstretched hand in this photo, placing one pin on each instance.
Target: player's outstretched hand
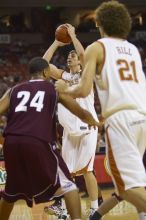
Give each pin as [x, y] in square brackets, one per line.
[61, 86]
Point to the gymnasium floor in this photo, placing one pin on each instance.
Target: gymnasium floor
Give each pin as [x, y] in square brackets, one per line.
[123, 211]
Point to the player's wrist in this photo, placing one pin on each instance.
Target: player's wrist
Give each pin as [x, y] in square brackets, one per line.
[56, 43]
[73, 36]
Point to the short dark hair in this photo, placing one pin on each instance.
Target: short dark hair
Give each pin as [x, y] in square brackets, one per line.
[37, 64]
[74, 51]
[114, 18]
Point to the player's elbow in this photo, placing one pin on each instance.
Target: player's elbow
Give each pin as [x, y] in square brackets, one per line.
[83, 93]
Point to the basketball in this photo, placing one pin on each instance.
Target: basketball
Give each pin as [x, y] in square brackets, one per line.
[62, 35]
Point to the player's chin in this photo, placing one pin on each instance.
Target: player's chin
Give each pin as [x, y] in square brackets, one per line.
[69, 64]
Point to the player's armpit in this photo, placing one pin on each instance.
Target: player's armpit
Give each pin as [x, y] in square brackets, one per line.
[54, 72]
[75, 108]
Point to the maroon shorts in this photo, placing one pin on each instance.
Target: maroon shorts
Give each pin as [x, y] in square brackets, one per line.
[31, 167]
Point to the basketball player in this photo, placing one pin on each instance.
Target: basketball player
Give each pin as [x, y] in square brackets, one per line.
[35, 171]
[78, 143]
[116, 64]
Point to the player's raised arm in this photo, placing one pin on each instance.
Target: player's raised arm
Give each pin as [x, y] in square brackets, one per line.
[55, 73]
[75, 108]
[77, 44]
[51, 50]
[4, 102]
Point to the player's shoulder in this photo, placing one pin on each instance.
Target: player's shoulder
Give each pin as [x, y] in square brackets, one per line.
[19, 85]
[95, 47]
[16, 88]
[95, 51]
[49, 84]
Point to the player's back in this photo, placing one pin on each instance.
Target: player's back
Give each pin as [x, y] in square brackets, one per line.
[32, 110]
[122, 83]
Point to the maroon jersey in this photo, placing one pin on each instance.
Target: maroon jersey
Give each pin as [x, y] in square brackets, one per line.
[32, 110]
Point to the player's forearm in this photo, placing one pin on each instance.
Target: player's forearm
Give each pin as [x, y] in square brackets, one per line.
[78, 47]
[78, 91]
[75, 92]
[50, 51]
[88, 118]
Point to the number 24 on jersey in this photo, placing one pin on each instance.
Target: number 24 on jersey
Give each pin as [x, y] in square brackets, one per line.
[36, 102]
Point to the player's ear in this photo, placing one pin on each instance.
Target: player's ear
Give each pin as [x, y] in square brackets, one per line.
[43, 73]
[46, 73]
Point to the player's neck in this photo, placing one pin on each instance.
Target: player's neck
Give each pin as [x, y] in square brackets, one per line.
[75, 69]
[37, 77]
[112, 37]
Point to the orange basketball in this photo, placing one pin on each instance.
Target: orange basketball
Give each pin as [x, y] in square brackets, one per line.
[61, 34]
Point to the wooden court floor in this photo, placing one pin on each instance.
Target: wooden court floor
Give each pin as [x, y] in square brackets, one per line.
[123, 211]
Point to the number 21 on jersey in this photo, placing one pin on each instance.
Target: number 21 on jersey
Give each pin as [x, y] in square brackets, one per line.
[127, 70]
[36, 102]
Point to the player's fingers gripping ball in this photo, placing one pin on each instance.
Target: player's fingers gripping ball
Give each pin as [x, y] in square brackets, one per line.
[61, 34]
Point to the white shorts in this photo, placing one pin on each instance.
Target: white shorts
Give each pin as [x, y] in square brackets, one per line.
[126, 143]
[66, 185]
[78, 152]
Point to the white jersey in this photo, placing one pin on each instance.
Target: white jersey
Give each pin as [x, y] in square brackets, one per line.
[122, 83]
[70, 122]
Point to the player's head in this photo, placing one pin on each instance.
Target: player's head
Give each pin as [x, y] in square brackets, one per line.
[113, 19]
[73, 59]
[39, 67]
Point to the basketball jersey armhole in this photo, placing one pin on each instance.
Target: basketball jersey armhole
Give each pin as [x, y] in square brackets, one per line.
[62, 74]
